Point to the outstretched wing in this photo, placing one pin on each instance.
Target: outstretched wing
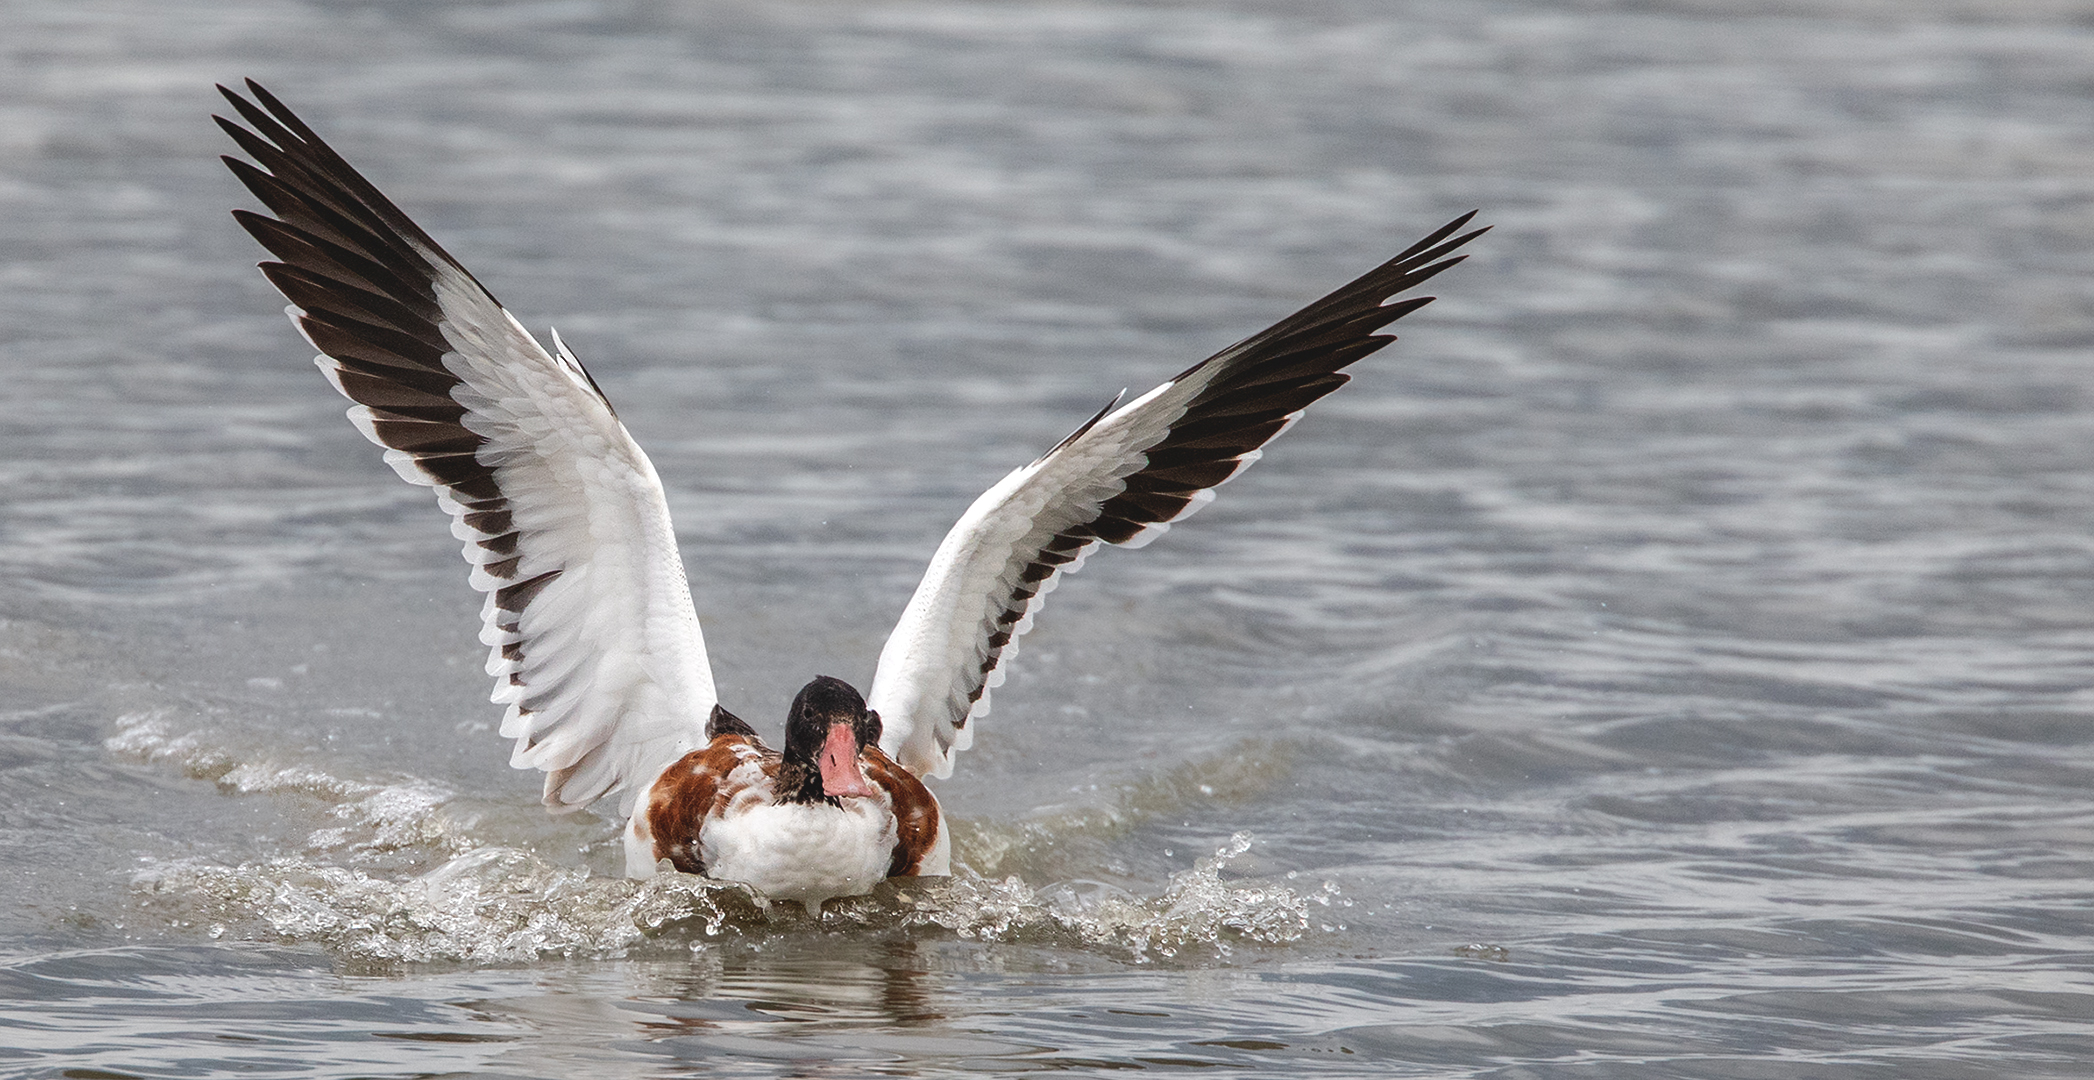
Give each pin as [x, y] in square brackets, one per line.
[593, 642]
[1123, 478]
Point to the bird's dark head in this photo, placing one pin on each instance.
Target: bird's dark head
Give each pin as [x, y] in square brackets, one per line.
[828, 727]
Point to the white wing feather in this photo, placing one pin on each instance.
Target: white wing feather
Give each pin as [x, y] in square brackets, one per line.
[937, 668]
[1123, 478]
[593, 641]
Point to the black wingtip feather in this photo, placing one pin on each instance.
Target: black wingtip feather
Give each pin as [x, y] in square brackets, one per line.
[302, 147]
[1443, 232]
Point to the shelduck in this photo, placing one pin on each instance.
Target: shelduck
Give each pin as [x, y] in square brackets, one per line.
[593, 641]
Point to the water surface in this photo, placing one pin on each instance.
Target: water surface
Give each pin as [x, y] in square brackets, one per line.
[1669, 660]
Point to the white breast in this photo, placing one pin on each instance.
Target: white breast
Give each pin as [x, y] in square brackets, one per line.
[796, 851]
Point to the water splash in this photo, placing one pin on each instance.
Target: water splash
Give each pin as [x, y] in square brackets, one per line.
[503, 905]
[1042, 843]
[491, 905]
[481, 901]
[1197, 909]
[407, 815]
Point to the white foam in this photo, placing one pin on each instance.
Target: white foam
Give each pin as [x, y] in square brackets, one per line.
[1198, 910]
[485, 901]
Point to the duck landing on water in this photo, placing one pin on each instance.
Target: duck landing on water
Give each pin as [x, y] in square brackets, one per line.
[593, 641]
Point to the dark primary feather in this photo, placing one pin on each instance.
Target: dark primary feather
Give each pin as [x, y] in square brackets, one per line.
[365, 281]
[1261, 381]
[361, 275]
[1252, 390]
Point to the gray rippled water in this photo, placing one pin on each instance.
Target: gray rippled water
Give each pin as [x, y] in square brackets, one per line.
[1670, 660]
